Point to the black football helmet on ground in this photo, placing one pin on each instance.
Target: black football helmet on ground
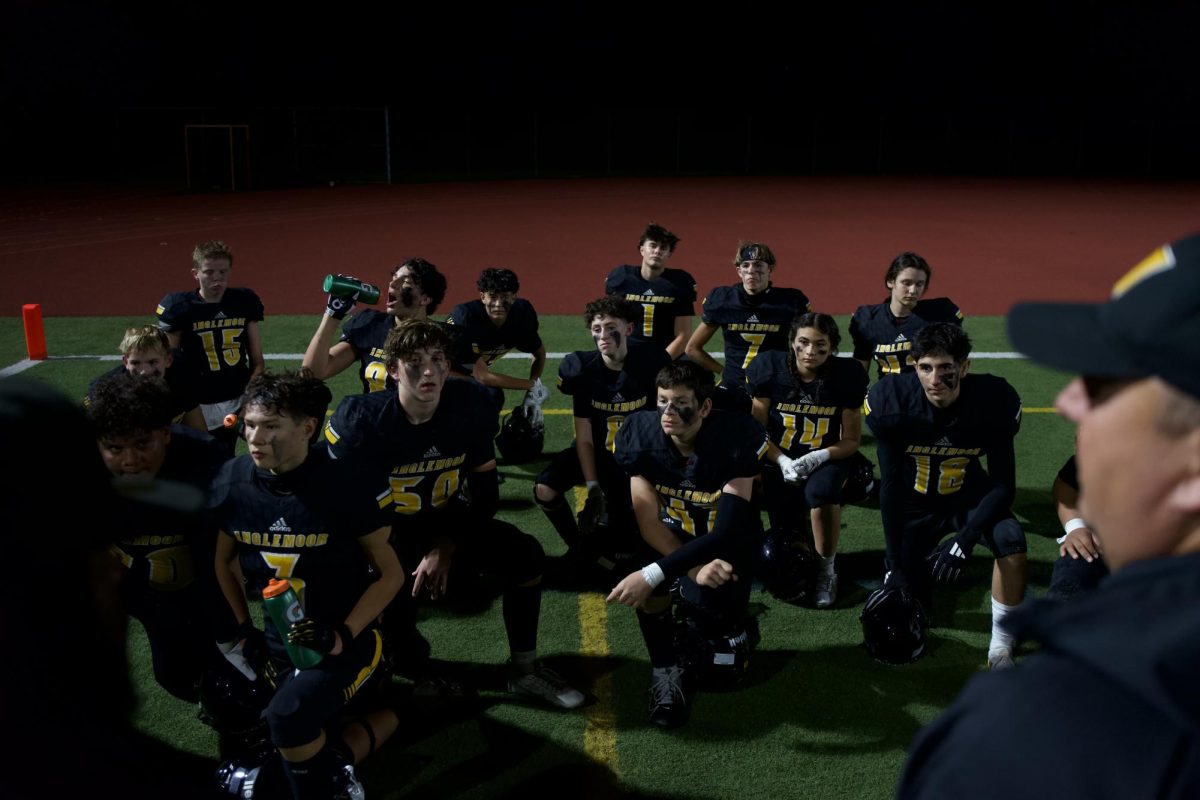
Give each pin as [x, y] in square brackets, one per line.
[861, 484]
[233, 707]
[716, 652]
[520, 440]
[895, 627]
[787, 570]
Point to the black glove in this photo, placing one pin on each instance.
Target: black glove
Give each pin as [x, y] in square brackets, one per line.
[949, 560]
[337, 305]
[316, 635]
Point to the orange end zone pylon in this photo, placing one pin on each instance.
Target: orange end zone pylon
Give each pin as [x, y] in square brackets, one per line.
[35, 336]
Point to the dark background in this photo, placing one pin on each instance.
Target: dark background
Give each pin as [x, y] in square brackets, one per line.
[350, 93]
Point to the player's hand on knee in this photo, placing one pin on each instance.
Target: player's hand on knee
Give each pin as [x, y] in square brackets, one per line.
[790, 468]
[1081, 543]
[806, 464]
[432, 573]
[715, 573]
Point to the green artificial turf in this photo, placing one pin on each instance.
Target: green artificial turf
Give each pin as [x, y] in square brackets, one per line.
[817, 718]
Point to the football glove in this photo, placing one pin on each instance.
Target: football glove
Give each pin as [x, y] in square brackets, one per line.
[247, 649]
[808, 463]
[593, 510]
[950, 560]
[537, 394]
[790, 467]
[316, 635]
[337, 305]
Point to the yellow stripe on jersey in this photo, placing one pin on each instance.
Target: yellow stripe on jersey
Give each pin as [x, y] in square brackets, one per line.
[331, 435]
[762, 451]
[1160, 260]
[866, 406]
[159, 311]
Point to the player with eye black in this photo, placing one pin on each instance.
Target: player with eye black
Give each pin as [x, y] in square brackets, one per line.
[666, 296]
[424, 445]
[606, 385]
[884, 332]
[166, 561]
[934, 427]
[811, 404]
[754, 316]
[415, 288]
[145, 350]
[691, 471]
[288, 511]
[487, 328]
[216, 327]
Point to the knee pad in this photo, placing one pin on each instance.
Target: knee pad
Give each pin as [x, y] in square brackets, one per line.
[1007, 538]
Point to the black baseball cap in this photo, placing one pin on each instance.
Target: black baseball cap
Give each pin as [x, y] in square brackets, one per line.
[1149, 327]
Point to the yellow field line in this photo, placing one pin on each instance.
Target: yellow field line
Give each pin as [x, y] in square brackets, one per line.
[600, 734]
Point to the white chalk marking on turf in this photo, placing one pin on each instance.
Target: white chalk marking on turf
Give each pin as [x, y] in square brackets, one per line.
[600, 733]
[17, 368]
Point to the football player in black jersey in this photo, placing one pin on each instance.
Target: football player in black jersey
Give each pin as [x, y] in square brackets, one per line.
[811, 405]
[933, 428]
[166, 562]
[606, 385]
[145, 350]
[216, 327]
[884, 332]
[665, 296]
[415, 288]
[691, 472]
[487, 328]
[287, 511]
[423, 444]
[754, 315]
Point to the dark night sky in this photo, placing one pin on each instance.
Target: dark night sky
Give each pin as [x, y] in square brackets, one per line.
[937, 57]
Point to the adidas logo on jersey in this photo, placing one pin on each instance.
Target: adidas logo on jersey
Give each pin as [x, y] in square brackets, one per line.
[687, 484]
[280, 525]
[900, 338]
[617, 398]
[649, 293]
[943, 442]
[220, 315]
[432, 453]
[753, 318]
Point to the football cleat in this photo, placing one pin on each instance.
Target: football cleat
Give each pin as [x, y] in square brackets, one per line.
[1000, 660]
[825, 594]
[670, 703]
[546, 685]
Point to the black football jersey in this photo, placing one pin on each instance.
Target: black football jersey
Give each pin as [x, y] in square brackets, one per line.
[730, 445]
[752, 324]
[163, 550]
[880, 335]
[941, 449]
[672, 294]
[606, 396]
[808, 416]
[304, 526]
[423, 466]
[213, 338]
[476, 336]
[366, 332]
[181, 382]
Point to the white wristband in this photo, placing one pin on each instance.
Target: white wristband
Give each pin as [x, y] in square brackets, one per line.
[653, 575]
[1069, 526]
[592, 485]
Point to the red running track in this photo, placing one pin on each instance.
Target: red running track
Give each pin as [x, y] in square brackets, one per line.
[92, 251]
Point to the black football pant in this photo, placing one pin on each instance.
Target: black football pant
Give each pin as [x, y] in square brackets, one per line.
[563, 473]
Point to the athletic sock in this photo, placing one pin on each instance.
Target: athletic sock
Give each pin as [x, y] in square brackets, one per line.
[827, 563]
[561, 518]
[521, 607]
[659, 632]
[1001, 639]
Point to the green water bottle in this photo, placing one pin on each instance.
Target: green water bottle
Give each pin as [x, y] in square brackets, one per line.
[344, 286]
[284, 607]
